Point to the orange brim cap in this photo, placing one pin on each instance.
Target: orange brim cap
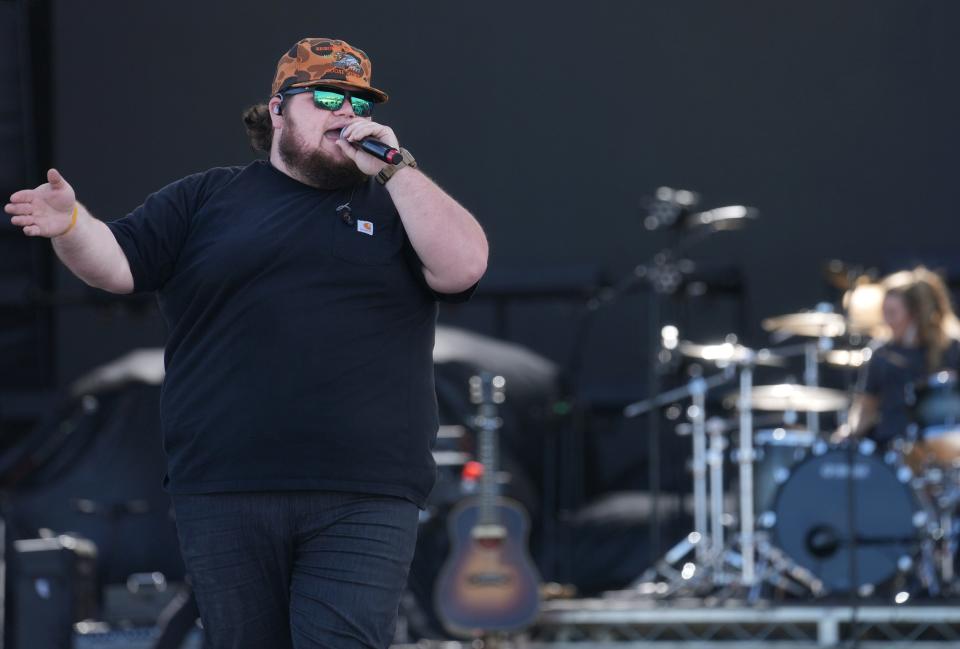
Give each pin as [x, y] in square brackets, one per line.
[323, 61]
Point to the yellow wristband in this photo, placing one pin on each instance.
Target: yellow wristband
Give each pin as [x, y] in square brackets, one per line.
[73, 221]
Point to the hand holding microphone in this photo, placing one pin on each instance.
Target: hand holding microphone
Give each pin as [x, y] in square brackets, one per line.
[379, 150]
[375, 139]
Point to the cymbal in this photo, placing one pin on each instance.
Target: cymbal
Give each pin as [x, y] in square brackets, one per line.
[726, 353]
[864, 306]
[852, 358]
[813, 324]
[791, 396]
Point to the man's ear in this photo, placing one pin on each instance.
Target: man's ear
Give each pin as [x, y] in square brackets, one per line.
[275, 107]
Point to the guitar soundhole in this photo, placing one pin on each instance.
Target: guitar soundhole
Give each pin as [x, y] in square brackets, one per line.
[488, 579]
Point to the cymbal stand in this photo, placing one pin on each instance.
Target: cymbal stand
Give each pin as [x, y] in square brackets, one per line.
[811, 377]
[758, 560]
[738, 566]
[745, 459]
[698, 397]
[718, 445]
[706, 539]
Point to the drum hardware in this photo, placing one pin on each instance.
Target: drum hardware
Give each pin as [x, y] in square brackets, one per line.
[720, 564]
[788, 575]
[761, 560]
[669, 273]
[939, 487]
[853, 553]
[710, 566]
[917, 553]
[673, 209]
[715, 454]
[696, 389]
[730, 217]
[917, 550]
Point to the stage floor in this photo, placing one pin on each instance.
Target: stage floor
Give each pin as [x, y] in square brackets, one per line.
[700, 624]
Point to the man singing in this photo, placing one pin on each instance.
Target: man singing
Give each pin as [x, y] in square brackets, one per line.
[298, 408]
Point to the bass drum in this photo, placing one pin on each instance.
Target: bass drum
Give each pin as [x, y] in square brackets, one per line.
[849, 517]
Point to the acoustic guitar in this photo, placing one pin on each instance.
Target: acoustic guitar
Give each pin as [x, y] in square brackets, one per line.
[488, 583]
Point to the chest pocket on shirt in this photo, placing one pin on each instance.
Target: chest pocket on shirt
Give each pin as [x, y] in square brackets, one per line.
[367, 239]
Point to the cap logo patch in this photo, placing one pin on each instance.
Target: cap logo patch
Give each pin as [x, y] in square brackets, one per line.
[348, 63]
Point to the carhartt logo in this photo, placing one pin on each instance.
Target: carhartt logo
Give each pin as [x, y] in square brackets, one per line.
[365, 226]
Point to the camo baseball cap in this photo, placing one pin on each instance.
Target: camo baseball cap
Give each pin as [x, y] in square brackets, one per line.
[328, 62]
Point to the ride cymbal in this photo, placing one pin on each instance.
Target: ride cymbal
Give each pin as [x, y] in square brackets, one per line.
[726, 353]
[799, 398]
[811, 325]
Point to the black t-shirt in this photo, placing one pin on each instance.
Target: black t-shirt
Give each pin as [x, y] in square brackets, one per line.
[299, 353]
[893, 368]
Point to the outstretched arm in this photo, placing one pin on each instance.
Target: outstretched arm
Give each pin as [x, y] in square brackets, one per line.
[83, 243]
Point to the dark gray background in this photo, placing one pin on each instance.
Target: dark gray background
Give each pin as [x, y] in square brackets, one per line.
[551, 122]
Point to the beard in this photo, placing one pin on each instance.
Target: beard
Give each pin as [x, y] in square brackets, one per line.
[316, 167]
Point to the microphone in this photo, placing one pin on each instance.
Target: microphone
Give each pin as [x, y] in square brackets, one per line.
[379, 150]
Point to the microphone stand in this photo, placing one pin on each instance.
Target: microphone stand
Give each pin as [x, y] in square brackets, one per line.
[664, 275]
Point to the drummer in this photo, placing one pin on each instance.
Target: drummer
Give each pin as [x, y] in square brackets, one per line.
[922, 340]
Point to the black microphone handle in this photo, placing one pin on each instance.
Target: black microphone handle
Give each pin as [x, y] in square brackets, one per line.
[379, 150]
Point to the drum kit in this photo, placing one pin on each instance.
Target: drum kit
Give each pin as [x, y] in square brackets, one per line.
[814, 513]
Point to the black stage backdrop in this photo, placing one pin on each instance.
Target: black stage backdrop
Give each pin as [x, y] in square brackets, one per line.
[551, 122]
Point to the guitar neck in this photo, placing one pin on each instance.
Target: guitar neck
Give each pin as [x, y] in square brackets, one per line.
[487, 392]
[489, 452]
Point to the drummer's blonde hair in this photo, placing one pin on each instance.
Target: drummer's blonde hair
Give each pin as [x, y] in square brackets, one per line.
[927, 299]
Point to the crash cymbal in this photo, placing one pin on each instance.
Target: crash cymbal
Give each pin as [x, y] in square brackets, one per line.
[864, 307]
[791, 396]
[813, 324]
[850, 358]
[726, 353]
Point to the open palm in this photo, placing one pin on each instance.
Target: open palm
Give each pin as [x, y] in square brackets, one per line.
[45, 211]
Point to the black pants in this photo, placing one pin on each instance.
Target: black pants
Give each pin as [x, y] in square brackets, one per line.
[297, 570]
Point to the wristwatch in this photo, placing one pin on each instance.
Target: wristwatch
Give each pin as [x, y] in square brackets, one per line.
[406, 160]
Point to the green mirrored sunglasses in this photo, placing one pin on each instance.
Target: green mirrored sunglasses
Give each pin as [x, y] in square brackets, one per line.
[328, 99]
